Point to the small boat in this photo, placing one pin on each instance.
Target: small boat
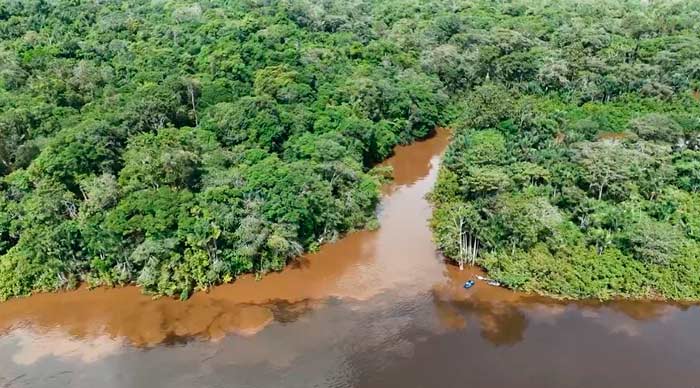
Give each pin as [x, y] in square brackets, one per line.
[469, 284]
[488, 280]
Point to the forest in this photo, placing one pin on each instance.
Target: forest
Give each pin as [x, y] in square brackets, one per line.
[176, 145]
[575, 167]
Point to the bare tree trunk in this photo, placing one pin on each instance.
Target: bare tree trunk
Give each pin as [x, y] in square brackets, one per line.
[468, 244]
[190, 91]
[462, 245]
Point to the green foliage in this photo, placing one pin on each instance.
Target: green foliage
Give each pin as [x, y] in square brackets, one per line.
[575, 160]
[178, 146]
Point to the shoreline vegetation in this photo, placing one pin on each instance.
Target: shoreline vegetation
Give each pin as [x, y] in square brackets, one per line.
[178, 145]
[576, 173]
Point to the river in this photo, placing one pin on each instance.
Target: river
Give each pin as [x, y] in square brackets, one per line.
[375, 309]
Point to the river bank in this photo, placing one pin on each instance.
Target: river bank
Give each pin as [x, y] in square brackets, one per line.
[375, 309]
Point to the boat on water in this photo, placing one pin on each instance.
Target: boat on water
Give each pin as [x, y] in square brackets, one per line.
[488, 281]
[468, 284]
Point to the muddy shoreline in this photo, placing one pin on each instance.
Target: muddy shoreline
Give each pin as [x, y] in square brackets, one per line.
[374, 309]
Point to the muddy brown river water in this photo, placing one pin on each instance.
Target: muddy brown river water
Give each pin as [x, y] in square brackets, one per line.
[375, 309]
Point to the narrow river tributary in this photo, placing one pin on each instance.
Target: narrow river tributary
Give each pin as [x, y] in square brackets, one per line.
[375, 309]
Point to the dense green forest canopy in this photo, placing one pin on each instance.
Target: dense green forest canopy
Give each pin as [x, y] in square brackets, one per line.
[179, 144]
[575, 167]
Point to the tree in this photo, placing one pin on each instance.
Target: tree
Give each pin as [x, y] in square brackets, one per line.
[476, 149]
[485, 180]
[170, 157]
[608, 165]
[450, 64]
[655, 242]
[457, 232]
[281, 83]
[687, 166]
[657, 127]
[258, 120]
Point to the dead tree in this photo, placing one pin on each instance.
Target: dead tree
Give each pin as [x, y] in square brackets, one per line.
[468, 244]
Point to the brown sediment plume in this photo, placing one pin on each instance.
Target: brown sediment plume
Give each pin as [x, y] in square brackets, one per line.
[358, 266]
[498, 311]
[126, 313]
[398, 257]
[503, 315]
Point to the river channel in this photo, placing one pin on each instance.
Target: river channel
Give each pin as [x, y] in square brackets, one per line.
[375, 309]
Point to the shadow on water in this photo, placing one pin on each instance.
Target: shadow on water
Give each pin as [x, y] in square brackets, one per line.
[358, 266]
[503, 315]
[376, 308]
